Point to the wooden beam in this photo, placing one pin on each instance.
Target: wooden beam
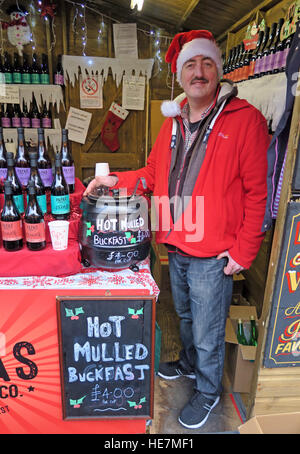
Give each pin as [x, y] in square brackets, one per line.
[245, 19]
[190, 8]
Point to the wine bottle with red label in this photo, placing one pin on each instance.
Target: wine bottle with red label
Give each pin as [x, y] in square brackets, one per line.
[11, 223]
[34, 222]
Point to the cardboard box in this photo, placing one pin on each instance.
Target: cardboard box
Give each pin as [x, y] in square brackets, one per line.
[281, 423]
[239, 358]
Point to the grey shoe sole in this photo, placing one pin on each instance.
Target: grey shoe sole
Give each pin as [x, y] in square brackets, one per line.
[173, 377]
[201, 423]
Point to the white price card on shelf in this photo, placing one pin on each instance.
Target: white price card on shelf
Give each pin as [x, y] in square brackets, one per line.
[125, 40]
[91, 94]
[133, 93]
[9, 94]
[77, 124]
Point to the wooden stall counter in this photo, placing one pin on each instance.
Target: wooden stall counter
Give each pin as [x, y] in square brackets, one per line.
[76, 352]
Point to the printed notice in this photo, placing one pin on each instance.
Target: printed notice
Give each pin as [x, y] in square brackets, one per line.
[133, 93]
[125, 40]
[91, 94]
[9, 94]
[77, 124]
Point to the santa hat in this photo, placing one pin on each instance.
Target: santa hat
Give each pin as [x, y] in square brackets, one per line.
[185, 46]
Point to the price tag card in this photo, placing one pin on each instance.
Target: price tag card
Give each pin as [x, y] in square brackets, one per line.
[9, 94]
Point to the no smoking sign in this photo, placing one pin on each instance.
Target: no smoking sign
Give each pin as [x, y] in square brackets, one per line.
[91, 92]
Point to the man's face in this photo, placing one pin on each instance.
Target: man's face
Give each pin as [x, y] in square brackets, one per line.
[199, 78]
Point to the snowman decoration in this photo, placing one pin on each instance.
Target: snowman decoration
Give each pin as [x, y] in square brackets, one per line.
[18, 31]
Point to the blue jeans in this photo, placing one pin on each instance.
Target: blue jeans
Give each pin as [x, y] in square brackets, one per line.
[202, 294]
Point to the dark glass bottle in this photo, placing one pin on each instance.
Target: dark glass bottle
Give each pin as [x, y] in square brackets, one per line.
[26, 71]
[59, 73]
[228, 74]
[35, 115]
[44, 164]
[273, 49]
[25, 117]
[240, 333]
[17, 73]
[3, 161]
[2, 74]
[235, 63]
[287, 45]
[35, 71]
[6, 117]
[241, 63]
[67, 161]
[34, 222]
[46, 117]
[246, 68]
[22, 164]
[279, 55]
[226, 66]
[254, 55]
[254, 333]
[267, 51]
[7, 68]
[60, 197]
[45, 70]
[40, 191]
[11, 223]
[258, 62]
[16, 116]
[15, 182]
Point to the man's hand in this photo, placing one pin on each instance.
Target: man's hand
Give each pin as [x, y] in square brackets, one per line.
[232, 266]
[108, 181]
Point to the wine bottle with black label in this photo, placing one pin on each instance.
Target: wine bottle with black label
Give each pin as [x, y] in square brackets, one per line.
[11, 223]
[44, 164]
[60, 196]
[34, 221]
[67, 161]
[40, 191]
[15, 183]
[22, 164]
[3, 161]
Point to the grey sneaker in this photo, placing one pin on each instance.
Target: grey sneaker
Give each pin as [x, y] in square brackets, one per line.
[196, 412]
[172, 370]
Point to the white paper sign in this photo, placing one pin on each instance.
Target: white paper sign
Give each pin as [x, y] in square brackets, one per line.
[125, 40]
[9, 94]
[133, 93]
[77, 124]
[91, 94]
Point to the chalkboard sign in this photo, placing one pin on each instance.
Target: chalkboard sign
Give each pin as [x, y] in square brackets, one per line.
[107, 356]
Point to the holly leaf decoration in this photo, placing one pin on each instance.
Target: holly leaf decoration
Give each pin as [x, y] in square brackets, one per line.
[131, 404]
[131, 311]
[69, 312]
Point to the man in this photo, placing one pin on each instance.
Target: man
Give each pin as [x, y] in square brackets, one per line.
[210, 160]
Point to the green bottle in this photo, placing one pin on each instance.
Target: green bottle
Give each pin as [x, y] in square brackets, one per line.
[254, 333]
[240, 334]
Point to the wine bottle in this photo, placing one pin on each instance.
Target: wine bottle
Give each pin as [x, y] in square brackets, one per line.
[35, 232]
[46, 117]
[278, 57]
[26, 71]
[241, 63]
[257, 69]
[67, 161]
[15, 182]
[25, 117]
[240, 333]
[45, 70]
[235, 63]
[267, 51]
[273, 49]
[7, 69]
[22, 164]
[40, 191]
[226, 66]
[60, 196]
[246, 68]
[17, 76]
[16, 116]
[254, 55]
[35, 71]
[6, 117]
[2, 74]
[3, 161]
[11, 223]
[59, 73]
[287, 45]
[34, 114]
[254, 333]
[43, 162]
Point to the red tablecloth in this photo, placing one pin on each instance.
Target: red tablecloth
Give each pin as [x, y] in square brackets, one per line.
[47, 262]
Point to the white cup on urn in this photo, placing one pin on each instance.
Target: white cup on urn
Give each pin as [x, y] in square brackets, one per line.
[102, 169]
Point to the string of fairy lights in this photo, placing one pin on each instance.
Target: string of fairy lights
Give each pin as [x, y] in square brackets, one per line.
[80, 28]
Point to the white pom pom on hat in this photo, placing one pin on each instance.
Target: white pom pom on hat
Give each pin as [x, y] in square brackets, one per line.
[172, 108]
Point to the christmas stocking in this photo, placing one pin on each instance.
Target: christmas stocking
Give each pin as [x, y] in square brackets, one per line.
[109, 132]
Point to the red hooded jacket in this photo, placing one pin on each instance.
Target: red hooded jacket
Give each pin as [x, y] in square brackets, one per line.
[227, 206]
